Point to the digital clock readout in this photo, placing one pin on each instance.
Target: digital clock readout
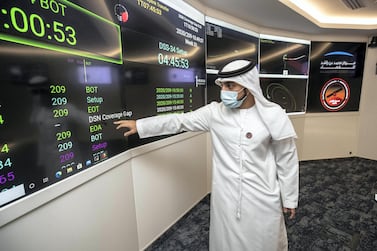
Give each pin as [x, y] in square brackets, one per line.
[32, 24]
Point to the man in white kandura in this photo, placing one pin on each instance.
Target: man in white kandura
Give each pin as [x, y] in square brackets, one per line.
[255, 164]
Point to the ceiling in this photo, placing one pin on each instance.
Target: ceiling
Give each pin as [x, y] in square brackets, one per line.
[338, 18]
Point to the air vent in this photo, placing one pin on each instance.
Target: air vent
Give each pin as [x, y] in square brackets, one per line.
[354, 4]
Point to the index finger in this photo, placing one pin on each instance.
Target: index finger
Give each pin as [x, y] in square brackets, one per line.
[122, 123]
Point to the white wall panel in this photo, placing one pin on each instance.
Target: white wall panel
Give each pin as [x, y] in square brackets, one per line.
[168, 182]
[98, 215]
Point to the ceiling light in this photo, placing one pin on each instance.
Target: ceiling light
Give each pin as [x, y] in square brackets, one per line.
[329, 15]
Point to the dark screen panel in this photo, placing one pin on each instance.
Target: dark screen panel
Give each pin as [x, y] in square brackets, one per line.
[289, 93]
[336, 74]
[68, 70]
[285, 57]
[284, 71]
[226, 42]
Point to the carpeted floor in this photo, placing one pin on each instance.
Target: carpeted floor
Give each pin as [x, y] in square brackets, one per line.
[337, 211]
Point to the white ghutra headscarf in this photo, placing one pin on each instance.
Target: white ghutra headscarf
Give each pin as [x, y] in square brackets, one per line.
[245, 73]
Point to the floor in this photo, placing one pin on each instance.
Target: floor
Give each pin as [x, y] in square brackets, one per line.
[337, 211]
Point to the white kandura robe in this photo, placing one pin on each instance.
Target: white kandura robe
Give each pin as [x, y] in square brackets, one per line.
[253, 177]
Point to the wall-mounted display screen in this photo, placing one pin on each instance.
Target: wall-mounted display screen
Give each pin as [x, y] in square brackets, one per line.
[164, 59]
[336, 74]
[289, 93]
[284, 71]
[285, 56]
[71, 68]
[226, 42]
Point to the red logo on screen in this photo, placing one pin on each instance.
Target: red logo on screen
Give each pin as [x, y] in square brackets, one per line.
[335, 94]
[121, 13]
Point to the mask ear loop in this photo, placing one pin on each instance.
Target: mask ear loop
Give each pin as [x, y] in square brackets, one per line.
[245, 96]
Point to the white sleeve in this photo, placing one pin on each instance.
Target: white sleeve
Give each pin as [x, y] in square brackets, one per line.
[287, 171]
[174, 123]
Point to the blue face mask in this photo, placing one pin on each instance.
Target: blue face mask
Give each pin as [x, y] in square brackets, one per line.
[230, 100]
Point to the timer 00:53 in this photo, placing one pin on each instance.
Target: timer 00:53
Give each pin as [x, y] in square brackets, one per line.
[20, 21]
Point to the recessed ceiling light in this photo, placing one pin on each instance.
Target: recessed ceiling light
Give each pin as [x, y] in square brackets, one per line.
[336, 14]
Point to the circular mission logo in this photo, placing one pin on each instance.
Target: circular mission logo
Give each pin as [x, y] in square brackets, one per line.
[335, 94]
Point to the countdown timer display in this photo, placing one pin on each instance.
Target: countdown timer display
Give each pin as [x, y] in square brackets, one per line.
[22, 22]
[61, 26]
